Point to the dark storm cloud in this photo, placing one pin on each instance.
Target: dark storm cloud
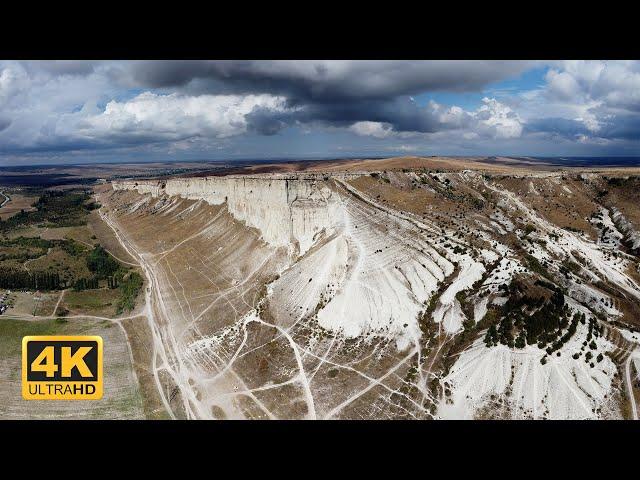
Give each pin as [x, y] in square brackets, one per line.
[326, 93]
[403, 114]
[329, 93]
[266, 122]
[340, 93]
[623, 127]
[324, 82]
[62, 67]
[559, 126]
[80, 106]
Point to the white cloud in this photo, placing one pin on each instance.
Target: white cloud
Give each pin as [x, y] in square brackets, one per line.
[407, 148]
[75, 107]
[86, 106]
[13, 80]
[174, 116]
[453, 116]
[497, 120]
[491, 120]
[372, 129]
[562, 85]
[600, 95]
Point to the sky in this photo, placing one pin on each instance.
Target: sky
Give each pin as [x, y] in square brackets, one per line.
[106, 111]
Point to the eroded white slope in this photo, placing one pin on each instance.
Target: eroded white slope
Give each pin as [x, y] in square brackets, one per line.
[514, 382]
[372, 277]
[392, 271]
[449, 311]
[564, 387]
[599, 261]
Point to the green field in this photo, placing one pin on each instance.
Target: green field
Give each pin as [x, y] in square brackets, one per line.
[100, 302]
[55, 248]
[122, 397]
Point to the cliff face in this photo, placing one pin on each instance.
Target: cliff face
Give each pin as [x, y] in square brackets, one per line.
[377, 297]
[347, 257]
[288, 211]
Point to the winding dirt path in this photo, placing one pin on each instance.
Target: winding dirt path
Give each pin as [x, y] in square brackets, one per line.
[6, 199]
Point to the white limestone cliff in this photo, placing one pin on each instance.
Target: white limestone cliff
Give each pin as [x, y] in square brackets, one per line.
[288, 211]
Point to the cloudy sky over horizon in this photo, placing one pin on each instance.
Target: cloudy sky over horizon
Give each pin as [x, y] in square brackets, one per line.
[84, 111]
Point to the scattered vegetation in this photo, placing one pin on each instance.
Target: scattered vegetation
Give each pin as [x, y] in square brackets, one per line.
[569, 265]
[534, 315]
[535, 266]
[35, 263]
[53, 209]
[129, 290]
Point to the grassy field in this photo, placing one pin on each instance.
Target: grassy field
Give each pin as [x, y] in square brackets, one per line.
[70, 267]
[64, 238]
[60, 237]
[122, 398]
[53, 209]
[52, 239]
[107, 238]
[140, 340]
[101, 302]
[17, 203]
[82, 233]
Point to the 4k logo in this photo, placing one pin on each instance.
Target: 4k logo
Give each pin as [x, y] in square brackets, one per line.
[62, 368]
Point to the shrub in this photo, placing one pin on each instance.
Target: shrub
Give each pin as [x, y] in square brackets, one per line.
[101, 263]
